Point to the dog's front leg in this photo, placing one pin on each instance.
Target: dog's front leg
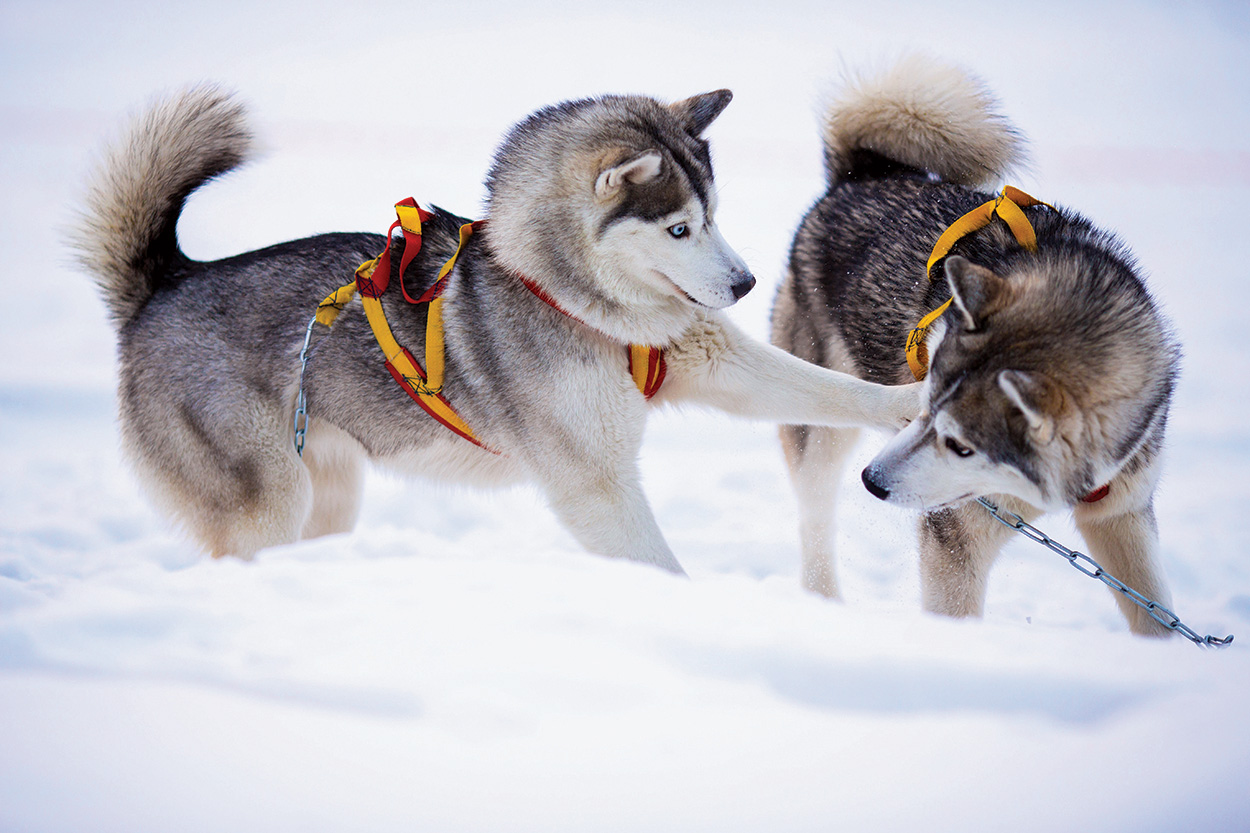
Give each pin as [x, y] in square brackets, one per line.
[716, 364]
[1126, 545]
[609, 515]
[958, 546]
[586, 464]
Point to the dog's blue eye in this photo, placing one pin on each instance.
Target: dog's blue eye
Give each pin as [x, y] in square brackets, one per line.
[959, 448]
[679, 231]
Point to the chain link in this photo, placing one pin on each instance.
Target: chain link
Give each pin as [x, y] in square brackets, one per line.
[301, 401]
[1093, 569]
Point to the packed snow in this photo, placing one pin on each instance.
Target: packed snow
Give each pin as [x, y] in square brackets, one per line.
[458, 663]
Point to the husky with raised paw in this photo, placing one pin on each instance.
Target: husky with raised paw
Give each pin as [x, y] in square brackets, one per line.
[600, 250]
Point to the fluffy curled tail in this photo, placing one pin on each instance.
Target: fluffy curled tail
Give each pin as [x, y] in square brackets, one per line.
[921, 115]
[126, 236]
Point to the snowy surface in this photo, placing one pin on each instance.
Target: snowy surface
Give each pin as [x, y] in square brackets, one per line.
[457, 664]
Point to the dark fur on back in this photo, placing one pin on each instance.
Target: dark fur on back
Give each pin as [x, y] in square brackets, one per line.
[857, 266]
[864, 245]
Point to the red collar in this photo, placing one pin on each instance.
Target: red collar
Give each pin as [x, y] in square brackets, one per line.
[547, 299]
[1097, 495]
[646, 364]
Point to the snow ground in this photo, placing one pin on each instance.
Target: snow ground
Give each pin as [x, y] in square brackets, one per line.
[457, 664]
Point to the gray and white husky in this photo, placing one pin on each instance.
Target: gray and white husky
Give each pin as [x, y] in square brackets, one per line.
[1050, 373]
[601, 233]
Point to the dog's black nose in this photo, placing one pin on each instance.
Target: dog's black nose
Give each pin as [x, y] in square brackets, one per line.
[873, 487]
[744, 284]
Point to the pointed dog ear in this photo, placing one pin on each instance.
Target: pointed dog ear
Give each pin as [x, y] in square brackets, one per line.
[697, 112]
[1035, 396]
[642, 168]
[975, 290]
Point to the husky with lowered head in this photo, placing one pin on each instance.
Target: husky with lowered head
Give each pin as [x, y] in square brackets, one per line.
[601, 233]
[1049, 375]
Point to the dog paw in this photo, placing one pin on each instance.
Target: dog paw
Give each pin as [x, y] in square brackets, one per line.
[904, 405]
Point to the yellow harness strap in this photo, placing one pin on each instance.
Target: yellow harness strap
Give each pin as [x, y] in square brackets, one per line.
[1007, 207]
[424, 386]
[647, 367]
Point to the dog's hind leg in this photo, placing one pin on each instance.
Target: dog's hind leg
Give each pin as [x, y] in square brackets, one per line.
[957, 548]
[336, 468]
[230, 476]
[272, 514]
[815, 458]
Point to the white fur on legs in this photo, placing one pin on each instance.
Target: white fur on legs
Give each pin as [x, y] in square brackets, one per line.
[815, 458]
[274, 512]
[335, 463]
[585, 460]
[610, 516]
[274, 517]
[714, 363]
[1126, 545]
[957, 548]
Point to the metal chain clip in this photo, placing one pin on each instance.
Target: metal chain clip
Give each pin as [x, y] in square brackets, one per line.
[301, 400]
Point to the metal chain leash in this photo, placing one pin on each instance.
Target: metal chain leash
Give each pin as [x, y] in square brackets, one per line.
[301, 401]
[1091, 568]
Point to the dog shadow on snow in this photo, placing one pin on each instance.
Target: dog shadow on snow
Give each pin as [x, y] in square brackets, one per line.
[902, 684]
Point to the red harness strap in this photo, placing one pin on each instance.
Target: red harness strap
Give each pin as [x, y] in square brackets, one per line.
[424, 385]
[647, 366]
[373, 283]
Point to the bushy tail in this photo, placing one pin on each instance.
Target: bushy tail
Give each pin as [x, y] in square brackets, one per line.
[127, 237]
[920, 115]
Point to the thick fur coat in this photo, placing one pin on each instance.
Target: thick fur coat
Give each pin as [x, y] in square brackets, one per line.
[1049, 376]
[606, 206]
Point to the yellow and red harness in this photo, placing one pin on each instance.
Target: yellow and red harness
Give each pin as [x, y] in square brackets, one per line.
[425, 385]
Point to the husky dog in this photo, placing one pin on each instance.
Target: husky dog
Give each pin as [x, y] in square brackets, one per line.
[601, 234]
[1050, 373]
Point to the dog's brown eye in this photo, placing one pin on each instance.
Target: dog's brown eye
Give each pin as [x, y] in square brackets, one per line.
[959, 448]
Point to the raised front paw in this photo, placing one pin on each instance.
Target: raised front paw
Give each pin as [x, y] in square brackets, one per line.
[903, 406]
